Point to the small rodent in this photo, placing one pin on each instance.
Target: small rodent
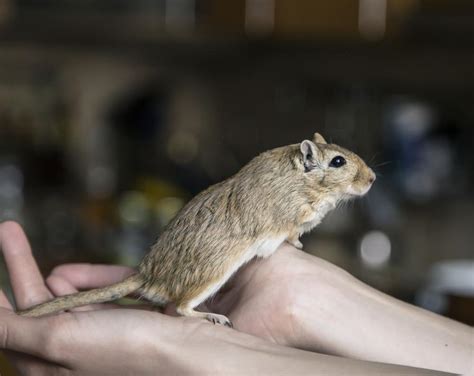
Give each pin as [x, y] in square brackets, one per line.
[279, 195]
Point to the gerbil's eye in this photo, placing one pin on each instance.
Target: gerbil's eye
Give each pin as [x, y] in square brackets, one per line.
[337, 162]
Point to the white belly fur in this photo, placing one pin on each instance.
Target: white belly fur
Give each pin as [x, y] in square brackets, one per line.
[261, 248]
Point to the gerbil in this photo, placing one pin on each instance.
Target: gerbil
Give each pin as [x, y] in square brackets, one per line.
[277, 196]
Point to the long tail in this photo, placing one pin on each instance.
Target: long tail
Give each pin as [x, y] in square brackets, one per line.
[104, 294]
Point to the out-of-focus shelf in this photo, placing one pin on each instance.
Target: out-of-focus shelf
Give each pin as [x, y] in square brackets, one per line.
[397, 66]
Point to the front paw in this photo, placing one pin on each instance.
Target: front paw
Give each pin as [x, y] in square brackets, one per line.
[296, 243]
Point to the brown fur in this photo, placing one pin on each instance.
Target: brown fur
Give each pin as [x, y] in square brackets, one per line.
[272, 197]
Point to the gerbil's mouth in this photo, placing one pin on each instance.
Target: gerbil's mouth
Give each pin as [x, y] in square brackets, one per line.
[367, 188]
[359, 191]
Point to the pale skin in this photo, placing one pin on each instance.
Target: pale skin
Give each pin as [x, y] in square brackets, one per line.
[288, 301]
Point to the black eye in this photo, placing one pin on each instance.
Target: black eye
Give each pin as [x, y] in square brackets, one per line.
[337, 162]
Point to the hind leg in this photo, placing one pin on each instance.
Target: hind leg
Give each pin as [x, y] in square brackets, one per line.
[186, 310]
[154, 295]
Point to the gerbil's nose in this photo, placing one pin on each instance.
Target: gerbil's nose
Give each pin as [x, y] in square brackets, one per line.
[371, 177]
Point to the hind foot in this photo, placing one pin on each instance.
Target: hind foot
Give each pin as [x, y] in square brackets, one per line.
[212, 317]
[219, 319]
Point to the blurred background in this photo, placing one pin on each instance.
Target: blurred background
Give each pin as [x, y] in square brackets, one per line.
[114, 113]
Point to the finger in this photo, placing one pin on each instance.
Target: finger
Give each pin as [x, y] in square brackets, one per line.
[26, 280]
[4, 302]
[86, 276]
[59, 286]
[20, 334]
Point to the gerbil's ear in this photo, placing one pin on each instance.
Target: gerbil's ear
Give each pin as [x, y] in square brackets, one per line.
[309, 152]
[318, 139]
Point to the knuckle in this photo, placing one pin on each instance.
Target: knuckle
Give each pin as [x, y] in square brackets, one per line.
[290, 302]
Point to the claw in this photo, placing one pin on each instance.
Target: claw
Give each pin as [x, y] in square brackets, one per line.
[219, 319]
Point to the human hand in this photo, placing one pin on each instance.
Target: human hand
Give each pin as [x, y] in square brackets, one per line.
[302, 301]
[96, 342]
[126, 341]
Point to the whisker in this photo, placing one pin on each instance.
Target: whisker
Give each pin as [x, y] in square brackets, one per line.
[373, 158]
[382, 164]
